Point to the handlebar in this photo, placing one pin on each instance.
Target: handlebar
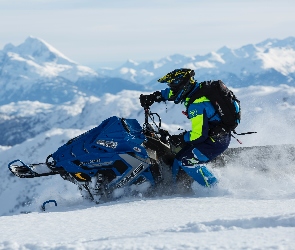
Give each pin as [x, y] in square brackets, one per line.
[161, 134]
[148, 128]
[148, 114]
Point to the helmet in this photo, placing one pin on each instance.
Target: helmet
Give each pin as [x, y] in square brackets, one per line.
[181, 82]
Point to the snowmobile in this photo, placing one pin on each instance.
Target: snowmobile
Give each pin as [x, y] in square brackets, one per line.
[118, 154]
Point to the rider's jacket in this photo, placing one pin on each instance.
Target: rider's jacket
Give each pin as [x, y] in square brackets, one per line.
[201, 114]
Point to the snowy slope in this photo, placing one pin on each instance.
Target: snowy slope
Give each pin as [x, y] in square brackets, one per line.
[270, 62]
[169, 223]
[259, 103]
[25, 119]
[250, 209]
[268, 110]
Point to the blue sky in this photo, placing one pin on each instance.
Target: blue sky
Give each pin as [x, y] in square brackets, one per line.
[108, 32]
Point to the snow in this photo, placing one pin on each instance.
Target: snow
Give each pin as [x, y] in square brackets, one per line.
[272, 59]
[216, 57]
[128, 71]
[2, 148]
[214, 219]
[41, 50]
[251, 208]
[183, 225]
[202, 64]
[37, 59]
[25, 108]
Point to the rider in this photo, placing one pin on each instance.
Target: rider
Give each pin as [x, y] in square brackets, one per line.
[198, 145]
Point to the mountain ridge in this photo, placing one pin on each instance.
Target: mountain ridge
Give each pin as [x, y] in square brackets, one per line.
[49, 98]
[237, 67]
[36, 71]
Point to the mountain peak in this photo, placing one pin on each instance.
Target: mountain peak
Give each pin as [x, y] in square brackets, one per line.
[34, 40]
[224, 50]
[271, 42]
[8, 47]
[130, 63]
[38, 50]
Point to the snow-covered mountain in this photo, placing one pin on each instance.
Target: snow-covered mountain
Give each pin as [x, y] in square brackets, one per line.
[270, 62]
[25, 119]
[36, 71]
[47, 99]
[35, 74]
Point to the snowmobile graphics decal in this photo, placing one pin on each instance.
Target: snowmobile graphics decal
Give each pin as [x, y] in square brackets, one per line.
[107, 163]
[133, 174]
[93, 163]
[138, 166]
[79, 175]
[137, 149]
[108, 144]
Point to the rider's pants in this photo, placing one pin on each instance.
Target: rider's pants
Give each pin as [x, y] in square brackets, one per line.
[191, 157]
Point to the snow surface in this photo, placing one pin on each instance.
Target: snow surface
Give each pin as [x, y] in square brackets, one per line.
[250, 208]
[167, 223]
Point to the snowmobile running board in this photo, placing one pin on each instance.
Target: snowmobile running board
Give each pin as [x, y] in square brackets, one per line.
[22, 170]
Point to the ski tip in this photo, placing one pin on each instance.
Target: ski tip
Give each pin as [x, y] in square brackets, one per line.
[49, 201]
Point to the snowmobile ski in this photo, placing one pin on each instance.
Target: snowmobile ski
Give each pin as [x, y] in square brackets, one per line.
[21, 170]
[49, 201]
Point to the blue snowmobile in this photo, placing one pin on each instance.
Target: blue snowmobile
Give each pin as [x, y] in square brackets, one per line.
[118, 154]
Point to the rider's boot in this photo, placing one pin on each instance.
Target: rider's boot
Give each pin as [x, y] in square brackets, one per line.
[199, 173]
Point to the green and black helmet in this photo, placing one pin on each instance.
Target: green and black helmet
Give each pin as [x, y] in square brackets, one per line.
[181, 82]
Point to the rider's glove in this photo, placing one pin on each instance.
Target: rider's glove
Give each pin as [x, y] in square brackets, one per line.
[177, 140]
[147, 100]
